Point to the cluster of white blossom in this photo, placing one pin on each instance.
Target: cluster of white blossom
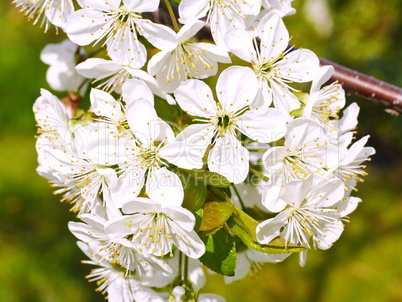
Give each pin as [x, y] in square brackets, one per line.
[161, 163]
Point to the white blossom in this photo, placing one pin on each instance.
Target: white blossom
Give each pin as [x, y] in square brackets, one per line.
[236, 89]
[155, 229]
[189, 59]
[306, 151]
[110, 76]
[56, 12]
[275, 65]
[114, 283]
[61, 75]
[118, 22]
[324, 104]
[222, 15]
[309, 215]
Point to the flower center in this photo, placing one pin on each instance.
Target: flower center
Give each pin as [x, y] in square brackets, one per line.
[149, 157]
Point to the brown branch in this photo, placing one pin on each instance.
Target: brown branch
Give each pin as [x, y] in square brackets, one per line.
[367, 87]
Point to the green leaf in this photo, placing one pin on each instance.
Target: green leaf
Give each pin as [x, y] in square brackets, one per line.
[244, 226]
[195, 192]
[209, 178]
[216, 213]
[220, 253]
[277, 246]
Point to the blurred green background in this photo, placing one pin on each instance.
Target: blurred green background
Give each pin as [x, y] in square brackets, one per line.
[39, 258]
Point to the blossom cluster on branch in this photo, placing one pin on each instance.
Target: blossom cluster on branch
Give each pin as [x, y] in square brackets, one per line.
[173, 177]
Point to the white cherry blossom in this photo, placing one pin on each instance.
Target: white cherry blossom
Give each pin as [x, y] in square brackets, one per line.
[110, 76]
[189, 59]
[114, 283]
[324, 104]
[155, 229]
[351, 168]
[306, 151]
[309, 215]
[275, 65]
[56, 12]
[52, 117]
[222, 15]
[61, 57]
[118, 22]
[281, 7]
[236, 89]
[116, 250]
[148, 156]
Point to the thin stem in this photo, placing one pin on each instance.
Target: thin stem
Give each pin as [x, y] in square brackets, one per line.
[243, 207]
[259, 174]
[172, 16]
[185, 275]
[180, 269]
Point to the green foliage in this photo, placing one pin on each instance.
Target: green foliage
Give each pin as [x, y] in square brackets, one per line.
[216, 213]
[195, 192]
[220, 254]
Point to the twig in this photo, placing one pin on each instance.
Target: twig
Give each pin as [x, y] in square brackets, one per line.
[367, 87]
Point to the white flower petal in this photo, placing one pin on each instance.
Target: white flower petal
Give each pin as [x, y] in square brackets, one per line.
[329, 233]
[102, 5]
[264, 125]
[300, 65]
[136, 89]
[164, 187]
[240, 43]
[143, 121]
[274, 37]
[348, 121]
[128, 186]
[269, 229]
[59, 12]
[160, 36]
[229, 158]
[97, 67]
[182, 154]
[284, 100]
[196, 98]
[104, 104]
[189, 30]
[323, 75]
[141, 6]
[193, 9]
[126, 49]
[87, 25]
[236, 88]
[214, 53]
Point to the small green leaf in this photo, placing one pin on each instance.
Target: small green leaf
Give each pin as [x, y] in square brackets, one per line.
[216, 213]
[195, 192]
[209, 178]
[220, 253]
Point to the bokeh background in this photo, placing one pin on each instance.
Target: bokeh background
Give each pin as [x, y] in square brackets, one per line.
[39, 260]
